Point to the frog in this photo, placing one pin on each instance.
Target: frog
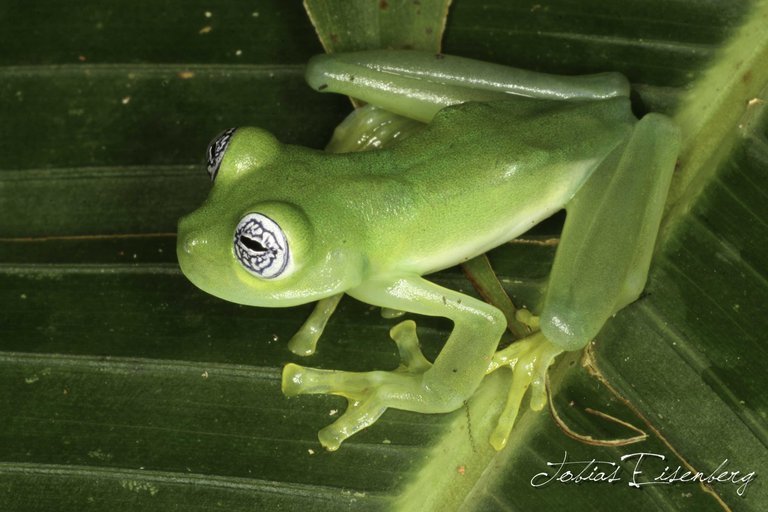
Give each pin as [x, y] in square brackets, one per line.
[501, 150]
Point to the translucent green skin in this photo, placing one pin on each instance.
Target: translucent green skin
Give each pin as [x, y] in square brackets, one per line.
[371, 224]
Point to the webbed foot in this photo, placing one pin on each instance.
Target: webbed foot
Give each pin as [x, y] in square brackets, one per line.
[529, 359]
[368, 394]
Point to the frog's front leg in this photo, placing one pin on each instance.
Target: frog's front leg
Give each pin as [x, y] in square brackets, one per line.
[416, 385]
[304, 342]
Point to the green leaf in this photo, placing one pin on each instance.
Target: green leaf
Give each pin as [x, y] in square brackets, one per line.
[344, 26]
[124, 387]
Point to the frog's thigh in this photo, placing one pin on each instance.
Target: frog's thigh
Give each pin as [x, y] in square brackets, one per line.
[605, 250]
[462, 363]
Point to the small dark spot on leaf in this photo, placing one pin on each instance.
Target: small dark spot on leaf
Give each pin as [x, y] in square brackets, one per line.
[746, 77]
[383, 5]
[455, 370]
[439, 56]
[351, 78]
[428, 30]
[322, 87]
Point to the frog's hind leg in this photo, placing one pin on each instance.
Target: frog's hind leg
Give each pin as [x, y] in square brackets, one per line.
[601, 263]
[418, 84]
[605, 250]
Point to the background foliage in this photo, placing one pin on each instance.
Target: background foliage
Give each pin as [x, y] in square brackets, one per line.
[123, 387]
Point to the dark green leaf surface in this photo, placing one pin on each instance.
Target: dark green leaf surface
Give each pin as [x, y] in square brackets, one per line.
[125, 388]
[344, 26]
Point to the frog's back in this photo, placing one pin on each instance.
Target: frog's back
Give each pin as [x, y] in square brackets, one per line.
[490, 171]
[525, 128]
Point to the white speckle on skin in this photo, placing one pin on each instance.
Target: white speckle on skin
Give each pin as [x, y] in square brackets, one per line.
[126, 100]
[207, 14]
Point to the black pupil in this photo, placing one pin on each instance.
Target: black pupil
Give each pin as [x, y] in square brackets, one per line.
[252, 244]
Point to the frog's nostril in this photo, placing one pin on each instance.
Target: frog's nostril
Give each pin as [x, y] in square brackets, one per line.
[188, 240]
[191, 243]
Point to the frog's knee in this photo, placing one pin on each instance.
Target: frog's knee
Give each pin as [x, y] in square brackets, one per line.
[661, 128]
[568, 331]
[443, 399]
[444, 392]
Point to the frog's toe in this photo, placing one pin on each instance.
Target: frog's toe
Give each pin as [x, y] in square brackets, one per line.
[527, 318]
[368, 393]
[529, 360]
[411, 357]
[303, 343]
[300, 380]
[359, 415]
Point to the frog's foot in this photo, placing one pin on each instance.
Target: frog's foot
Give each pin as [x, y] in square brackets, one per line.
[529, 360]
[369, 393]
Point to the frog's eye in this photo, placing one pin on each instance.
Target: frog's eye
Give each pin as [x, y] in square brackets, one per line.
[261, 246]
[215, 153]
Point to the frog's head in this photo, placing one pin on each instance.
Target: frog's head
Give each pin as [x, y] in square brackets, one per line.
[247, 243]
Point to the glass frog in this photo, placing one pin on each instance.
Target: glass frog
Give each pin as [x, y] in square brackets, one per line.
[504, 149]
